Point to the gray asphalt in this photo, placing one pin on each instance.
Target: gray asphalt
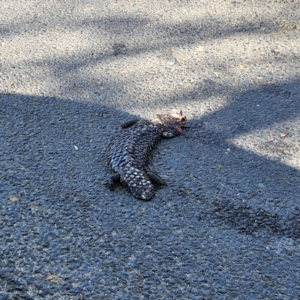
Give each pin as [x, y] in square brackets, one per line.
[227, 225]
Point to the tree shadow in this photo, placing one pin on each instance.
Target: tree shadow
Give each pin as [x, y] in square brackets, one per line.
[53, 148]
[184, 32]
[121, 29]
[54, 164]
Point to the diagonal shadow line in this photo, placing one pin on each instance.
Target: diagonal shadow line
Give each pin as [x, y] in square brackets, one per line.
[200, 28]
[65, 65]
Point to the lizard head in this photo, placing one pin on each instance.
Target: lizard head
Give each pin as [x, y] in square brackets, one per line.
[174, 119]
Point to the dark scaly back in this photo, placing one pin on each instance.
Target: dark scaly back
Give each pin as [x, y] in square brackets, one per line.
[129, 156]
[129, 153]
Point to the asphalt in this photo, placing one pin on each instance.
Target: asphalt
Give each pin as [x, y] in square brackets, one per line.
[226, 226]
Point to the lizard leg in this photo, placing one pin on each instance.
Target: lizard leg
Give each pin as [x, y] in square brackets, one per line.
[155, 177]
[114, 179]
[129, 123]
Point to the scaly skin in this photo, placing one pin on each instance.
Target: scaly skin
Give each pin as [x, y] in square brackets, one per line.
[129, 153]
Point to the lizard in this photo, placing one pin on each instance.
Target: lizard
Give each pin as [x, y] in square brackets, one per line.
[129, 153]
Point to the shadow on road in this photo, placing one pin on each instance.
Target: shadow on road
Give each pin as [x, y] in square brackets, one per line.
[53, 148]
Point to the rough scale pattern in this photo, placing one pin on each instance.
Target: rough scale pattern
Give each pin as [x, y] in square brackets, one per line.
[129, 154]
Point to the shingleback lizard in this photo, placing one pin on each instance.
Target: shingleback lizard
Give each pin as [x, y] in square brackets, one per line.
[129, 153]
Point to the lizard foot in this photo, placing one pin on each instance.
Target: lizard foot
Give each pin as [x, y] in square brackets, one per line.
[114, 179]
[154, 177]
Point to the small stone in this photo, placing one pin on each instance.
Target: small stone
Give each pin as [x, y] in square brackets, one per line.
[13, 199]
[119, 48]
[52, 278]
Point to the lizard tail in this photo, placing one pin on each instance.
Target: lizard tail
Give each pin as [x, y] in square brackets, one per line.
[139, 185]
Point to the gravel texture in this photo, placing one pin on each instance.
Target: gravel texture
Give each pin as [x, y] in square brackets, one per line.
[227, 224]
